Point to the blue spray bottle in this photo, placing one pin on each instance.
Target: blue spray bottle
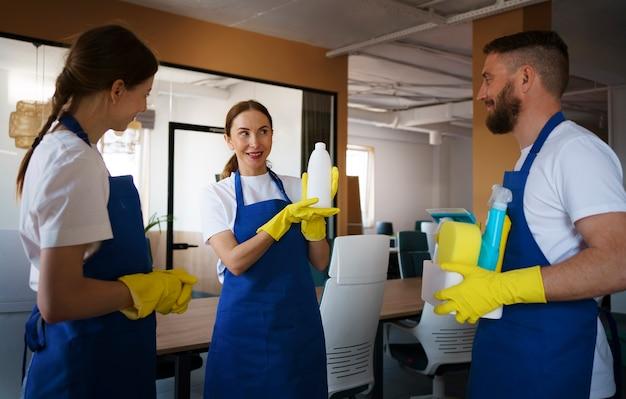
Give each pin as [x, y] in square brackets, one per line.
[490, 245]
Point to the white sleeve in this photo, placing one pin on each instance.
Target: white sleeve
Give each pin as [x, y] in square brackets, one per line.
[588, 176]
[72, 205]
[214, 215]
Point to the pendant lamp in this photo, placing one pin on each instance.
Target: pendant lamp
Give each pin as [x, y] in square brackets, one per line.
[30, 115]
[26, 121]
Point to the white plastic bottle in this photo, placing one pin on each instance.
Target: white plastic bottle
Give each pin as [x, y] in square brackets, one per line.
[319, 176]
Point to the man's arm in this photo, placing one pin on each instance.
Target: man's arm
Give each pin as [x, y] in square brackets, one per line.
[599, 269]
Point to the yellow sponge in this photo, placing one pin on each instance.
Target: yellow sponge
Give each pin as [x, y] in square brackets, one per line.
[458, 243]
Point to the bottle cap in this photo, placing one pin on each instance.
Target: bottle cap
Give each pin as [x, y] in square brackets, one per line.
[320, 146]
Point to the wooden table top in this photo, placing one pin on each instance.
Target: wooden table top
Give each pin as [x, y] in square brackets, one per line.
[402, 298]
[193, 329]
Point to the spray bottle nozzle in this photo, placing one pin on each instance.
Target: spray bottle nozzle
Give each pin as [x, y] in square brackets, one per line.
[500, 197]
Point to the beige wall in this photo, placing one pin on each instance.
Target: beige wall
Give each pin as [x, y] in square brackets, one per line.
[494, 154]
[194, 43]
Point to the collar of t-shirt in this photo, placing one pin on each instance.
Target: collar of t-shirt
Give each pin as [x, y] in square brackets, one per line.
[522, 157]
[258, 188]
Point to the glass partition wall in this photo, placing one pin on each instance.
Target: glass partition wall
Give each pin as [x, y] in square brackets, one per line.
[175, 149]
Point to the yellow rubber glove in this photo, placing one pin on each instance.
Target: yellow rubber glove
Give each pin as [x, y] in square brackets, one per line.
[281, 222]
[314, 229]
[170, 302]
[482, 291]
[158, 290]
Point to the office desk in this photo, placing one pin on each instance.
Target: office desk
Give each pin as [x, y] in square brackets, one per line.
[182, 335]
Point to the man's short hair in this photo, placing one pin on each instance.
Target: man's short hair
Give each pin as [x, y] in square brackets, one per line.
[543, 50]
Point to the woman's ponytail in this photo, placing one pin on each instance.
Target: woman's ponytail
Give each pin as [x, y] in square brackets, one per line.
[59, 99]
[231, 166]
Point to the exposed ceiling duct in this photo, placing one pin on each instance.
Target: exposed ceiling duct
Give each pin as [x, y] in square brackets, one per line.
[434, 20]
[435, 114]
[453, 119]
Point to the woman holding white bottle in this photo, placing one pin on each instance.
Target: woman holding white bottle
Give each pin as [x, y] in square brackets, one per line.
[268, 339]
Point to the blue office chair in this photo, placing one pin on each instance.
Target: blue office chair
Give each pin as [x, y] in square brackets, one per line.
[418, 224]
[384, 228]
[412, 252]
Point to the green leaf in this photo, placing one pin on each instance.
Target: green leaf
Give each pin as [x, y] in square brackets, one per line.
[155, 220]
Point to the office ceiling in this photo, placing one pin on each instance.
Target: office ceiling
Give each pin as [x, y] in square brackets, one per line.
[409, 54]
[424, 62]
[428, 67]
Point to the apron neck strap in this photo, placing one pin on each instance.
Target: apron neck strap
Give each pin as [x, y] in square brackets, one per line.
[72, 124]
[552, 123]
[238, 190]
[279, 183]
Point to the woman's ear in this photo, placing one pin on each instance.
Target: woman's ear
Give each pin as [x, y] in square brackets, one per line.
[117, 89]
[228, 143]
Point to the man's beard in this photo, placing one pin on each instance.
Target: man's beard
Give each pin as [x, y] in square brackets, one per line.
[504, 116]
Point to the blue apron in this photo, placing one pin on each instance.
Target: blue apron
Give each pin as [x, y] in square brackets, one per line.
[535, 350]
[268, 340]
[108, 356]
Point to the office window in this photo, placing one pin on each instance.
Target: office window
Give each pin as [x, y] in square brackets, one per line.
[360, 162]
[179, 95]
[124, 153]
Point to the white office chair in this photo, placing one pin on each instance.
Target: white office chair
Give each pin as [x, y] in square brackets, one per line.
[350, 309]
[443, 346]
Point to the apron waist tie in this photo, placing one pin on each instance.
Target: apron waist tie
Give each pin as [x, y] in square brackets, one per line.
[34, 336]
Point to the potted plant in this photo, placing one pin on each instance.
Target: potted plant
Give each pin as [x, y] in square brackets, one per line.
[153, 221]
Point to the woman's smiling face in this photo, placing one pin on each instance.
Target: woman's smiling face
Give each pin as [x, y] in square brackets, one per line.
[251, 139]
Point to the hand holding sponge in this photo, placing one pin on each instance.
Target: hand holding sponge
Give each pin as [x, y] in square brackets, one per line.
[481, 291]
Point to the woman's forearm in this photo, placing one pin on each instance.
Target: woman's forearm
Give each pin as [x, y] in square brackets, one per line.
[239, 257]
[65, 294]
[319, 252]
[90, 298]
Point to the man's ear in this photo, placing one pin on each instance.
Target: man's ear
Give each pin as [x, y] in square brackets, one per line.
[527, 78]
[117, 89]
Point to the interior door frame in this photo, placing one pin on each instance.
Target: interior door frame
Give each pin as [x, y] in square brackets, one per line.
[173, 127]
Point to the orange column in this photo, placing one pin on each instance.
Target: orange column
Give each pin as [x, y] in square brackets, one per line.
[494, 154]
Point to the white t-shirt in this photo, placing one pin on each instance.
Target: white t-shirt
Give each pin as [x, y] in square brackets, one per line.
[575, 175]
[219, 203]
[64, 200]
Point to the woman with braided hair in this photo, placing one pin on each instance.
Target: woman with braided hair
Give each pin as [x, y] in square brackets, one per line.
[93, 329]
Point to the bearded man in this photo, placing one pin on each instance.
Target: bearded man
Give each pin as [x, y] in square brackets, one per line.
[567, 243]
